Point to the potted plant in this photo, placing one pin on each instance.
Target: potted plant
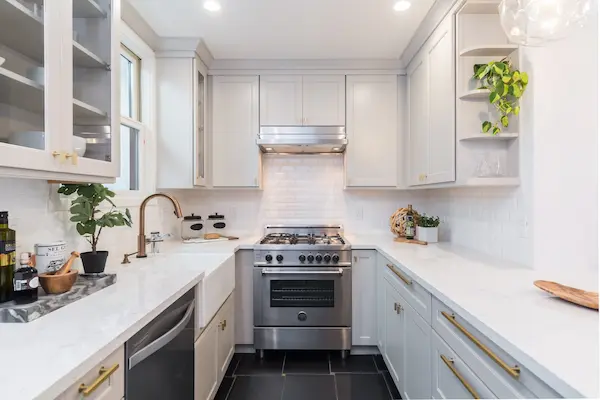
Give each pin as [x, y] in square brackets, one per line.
[506, 86]
[427, 228]
[87, 213]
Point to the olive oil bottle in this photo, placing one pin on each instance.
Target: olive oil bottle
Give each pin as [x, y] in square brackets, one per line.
[7, 258]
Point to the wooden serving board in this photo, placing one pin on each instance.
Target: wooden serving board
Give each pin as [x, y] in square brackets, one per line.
[570, 294]
[413, 241]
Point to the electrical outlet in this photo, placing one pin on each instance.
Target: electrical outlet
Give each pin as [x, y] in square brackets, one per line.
[358, 213]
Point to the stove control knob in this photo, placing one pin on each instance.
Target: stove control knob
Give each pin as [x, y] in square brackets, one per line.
[327, 258]
[279, 258]
[335, 258]
[269, 258]
[302, 258]
[311, 258]
[319, 258]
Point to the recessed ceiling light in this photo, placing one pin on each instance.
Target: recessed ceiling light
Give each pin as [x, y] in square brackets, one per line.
[401, 5]
[212, 5]
[268, 148]
[336, 149]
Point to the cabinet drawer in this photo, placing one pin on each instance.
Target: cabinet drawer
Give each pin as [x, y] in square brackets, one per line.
[451, 378]
[415, 294]
[498, 371]
[106, 381]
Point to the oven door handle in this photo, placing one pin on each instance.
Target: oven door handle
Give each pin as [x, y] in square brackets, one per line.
[267, 271]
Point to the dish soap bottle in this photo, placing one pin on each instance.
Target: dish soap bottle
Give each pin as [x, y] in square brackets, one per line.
[409, 223]
[26, 281]
[7, 258]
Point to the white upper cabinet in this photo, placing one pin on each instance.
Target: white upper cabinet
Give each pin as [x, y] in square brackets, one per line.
[281, 100]
[235, 155]
[372, 130]
[431, 88]
[59, 79]
[324, 100]
[294, 100]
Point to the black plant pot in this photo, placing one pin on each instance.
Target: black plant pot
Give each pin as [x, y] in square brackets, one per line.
[94, 263]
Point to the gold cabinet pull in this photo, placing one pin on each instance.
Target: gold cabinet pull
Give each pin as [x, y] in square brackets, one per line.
[512, 371]
[224, 324]
[104, 374]
[399, 275]
[61, 156]
[73, 156]
[450, 364]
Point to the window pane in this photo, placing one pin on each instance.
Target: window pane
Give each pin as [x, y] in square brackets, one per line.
[127, 86]
[130, 160]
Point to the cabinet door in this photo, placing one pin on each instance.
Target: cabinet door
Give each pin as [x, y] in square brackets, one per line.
[280, 100]
[364, 289]
[200, 96]
[324, 100]
[381, 309]
[416, 371]
[235, 155]
[244, 297]
[451, 378]
[441, 82]
[226, 335]
[394, 341]
[372, 130]
[418, 120]
[205, 363]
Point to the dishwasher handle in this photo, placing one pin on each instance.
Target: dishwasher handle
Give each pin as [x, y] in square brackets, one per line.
[162, 341]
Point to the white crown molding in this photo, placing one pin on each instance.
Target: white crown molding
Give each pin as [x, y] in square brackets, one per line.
[287, 66]
[184, 47]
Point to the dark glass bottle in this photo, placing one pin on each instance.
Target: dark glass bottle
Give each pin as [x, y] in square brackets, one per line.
[26, 281]
[7, 258]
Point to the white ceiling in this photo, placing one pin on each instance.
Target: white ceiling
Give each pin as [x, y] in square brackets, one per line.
[290, 29]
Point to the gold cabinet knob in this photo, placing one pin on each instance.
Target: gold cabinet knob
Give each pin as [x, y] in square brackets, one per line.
[60, 155]
[73, 156]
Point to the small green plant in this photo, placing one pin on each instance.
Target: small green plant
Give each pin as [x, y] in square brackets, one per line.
[86, 213]
[428, 222]
[506, 86]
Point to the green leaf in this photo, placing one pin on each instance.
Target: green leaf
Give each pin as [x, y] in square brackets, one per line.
[79, 218]
[81, 229]
[506, 79]
[498, 68]
[517, 110]
[516, 76]
[504, 121]
[485, 127]
[494, 97]
[128, 214]
[524, 78]
[483, 73]
[495, 131]
[499, 86]
[86, 191]
[516, 90]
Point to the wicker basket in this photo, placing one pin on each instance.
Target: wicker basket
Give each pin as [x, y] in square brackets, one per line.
[397, 220]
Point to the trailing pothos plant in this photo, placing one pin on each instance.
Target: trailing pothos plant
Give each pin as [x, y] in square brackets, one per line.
[87, 213]
[506, 86]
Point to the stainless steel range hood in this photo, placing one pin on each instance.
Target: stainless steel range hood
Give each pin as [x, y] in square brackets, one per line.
[302, 139]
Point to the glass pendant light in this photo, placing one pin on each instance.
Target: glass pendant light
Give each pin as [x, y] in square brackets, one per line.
[535, 22]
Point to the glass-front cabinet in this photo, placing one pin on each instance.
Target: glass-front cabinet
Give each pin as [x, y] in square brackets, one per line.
[200, 136]
[58, 108]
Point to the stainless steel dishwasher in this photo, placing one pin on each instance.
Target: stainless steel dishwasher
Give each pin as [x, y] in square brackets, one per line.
[160, 357]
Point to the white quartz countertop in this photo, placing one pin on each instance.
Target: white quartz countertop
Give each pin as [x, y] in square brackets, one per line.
[556, 340]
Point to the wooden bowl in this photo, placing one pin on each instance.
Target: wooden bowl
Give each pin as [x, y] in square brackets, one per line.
[57, 284]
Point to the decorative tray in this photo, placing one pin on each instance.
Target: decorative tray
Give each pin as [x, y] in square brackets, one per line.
[85, 285]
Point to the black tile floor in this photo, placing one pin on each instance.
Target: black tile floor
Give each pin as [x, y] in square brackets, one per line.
[307, 375]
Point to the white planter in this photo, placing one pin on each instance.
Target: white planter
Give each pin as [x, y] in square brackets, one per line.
[429, 235]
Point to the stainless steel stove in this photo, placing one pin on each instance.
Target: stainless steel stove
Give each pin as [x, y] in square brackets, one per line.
[303, 288]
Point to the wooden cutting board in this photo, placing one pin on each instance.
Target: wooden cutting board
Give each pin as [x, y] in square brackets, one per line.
[413, 241]
[571, 294]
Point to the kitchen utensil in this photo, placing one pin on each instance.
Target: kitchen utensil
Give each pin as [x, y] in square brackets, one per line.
[397, 220]
[79, 145]
[212, 236]
[67, 267]
[192, 226]
[413, 241]
[50, 257]
[56, 284]
[570, 294]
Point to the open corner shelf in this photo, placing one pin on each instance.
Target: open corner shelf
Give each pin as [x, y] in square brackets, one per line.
[488, 136]
[84, 110]
[494, 181]
[495, 50]
[87, 9]
[21, 92]
[479, 7]
[476, 95]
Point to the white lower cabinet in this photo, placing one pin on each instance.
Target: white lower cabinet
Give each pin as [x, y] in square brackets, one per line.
[213, 352]
[393, 334]
[381, 309]
[416, 370]
[106, 381]
[364, 298]
[450, 376]
[244, 297]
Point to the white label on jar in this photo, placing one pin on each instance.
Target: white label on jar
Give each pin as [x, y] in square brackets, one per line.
[34, 283]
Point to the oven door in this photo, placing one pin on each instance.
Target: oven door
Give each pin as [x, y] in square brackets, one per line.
[302, 296]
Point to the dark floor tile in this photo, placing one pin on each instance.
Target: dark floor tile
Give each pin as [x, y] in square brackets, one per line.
[379, 363]
[233, 365]
[224, 388]
[364, 364]
[391, 385]
[361, 387]
[257, 388]
[252, 364]
[306, 362]
[313, 387]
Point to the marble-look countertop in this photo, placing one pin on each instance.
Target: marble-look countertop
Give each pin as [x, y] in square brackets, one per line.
[555, 340]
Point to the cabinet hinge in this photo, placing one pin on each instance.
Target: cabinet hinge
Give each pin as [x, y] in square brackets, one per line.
[108, 67]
